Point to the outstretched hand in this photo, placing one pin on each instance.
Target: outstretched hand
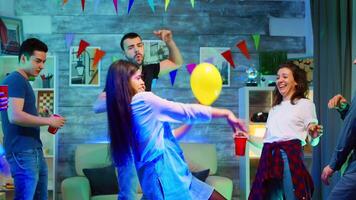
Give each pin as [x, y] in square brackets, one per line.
[240, 134]
[236, 123]
[336, 101]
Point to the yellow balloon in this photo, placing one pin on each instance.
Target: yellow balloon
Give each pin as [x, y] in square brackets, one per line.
[206, 83]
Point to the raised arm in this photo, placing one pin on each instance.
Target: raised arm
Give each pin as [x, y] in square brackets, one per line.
[235, 123]
[100, 103]
[175, 59]
[345, 144]
[339, 103]
[168, 111]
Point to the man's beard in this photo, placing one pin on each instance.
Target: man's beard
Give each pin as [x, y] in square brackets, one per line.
[133, 60]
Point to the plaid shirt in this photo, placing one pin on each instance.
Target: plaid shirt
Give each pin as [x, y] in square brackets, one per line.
[271, 167]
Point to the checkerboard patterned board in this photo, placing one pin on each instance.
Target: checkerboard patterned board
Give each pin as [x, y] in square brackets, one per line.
[45, 101]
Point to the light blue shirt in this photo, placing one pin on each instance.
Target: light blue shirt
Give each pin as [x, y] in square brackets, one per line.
[159, 160]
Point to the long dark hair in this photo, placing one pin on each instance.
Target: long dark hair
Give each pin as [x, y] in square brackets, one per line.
[118, 99]
[301, 89]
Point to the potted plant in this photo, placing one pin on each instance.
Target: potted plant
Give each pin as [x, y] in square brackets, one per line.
[269, 63]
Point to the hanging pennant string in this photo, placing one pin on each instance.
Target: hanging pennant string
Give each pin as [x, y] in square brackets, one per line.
[83, 5]
[130, 5]
[166, 5]
[115, 5]
[192, 2]
[152, 5]
[256, 40]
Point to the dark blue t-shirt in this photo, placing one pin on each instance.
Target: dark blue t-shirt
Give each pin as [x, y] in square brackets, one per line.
[150, 72]
[18, 138]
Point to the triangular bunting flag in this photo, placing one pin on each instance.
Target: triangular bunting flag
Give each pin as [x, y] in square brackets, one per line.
[115, 4]
[83, 5]
[228, 57]
[173, 75]
[210, 60]
[82, 46]
[152, 5]
[192, 2]
[256, 40]
[99, 54]
[166, 5]
[96, 5]
[190, 67]
[130, 5]
[243, 48]
[69, 39]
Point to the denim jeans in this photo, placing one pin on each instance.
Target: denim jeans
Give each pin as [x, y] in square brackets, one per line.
[30, 173]
[128, 181]
[278, 189]
[346, 187]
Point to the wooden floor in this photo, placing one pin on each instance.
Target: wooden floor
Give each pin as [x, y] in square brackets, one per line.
[9, 195]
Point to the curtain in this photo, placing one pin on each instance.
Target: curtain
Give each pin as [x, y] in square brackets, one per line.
[332, 26]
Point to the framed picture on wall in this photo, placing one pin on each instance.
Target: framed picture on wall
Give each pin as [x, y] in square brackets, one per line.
[213, 55]
[155, 51]
[82, 71]
[11, 35]
[45, 102]
[306, 64]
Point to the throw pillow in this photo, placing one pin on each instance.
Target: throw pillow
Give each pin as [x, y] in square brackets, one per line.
[102, 180]
[201, 175]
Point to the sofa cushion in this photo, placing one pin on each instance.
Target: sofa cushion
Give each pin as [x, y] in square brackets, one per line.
[104, 197]
[202, 175]
[221, 184]
[102, 180]
[91, 156]
[200, 156]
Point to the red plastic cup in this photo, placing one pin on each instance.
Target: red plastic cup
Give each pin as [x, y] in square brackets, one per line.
[51, 129]
[5, 90]
[240, 145]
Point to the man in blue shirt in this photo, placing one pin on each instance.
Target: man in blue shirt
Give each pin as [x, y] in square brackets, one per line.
[346, 187]
[21, 125]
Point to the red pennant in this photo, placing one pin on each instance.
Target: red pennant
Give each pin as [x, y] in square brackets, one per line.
[228, 57]
[243, 48]
[99, 54]
[83, 5]
[82, 46]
